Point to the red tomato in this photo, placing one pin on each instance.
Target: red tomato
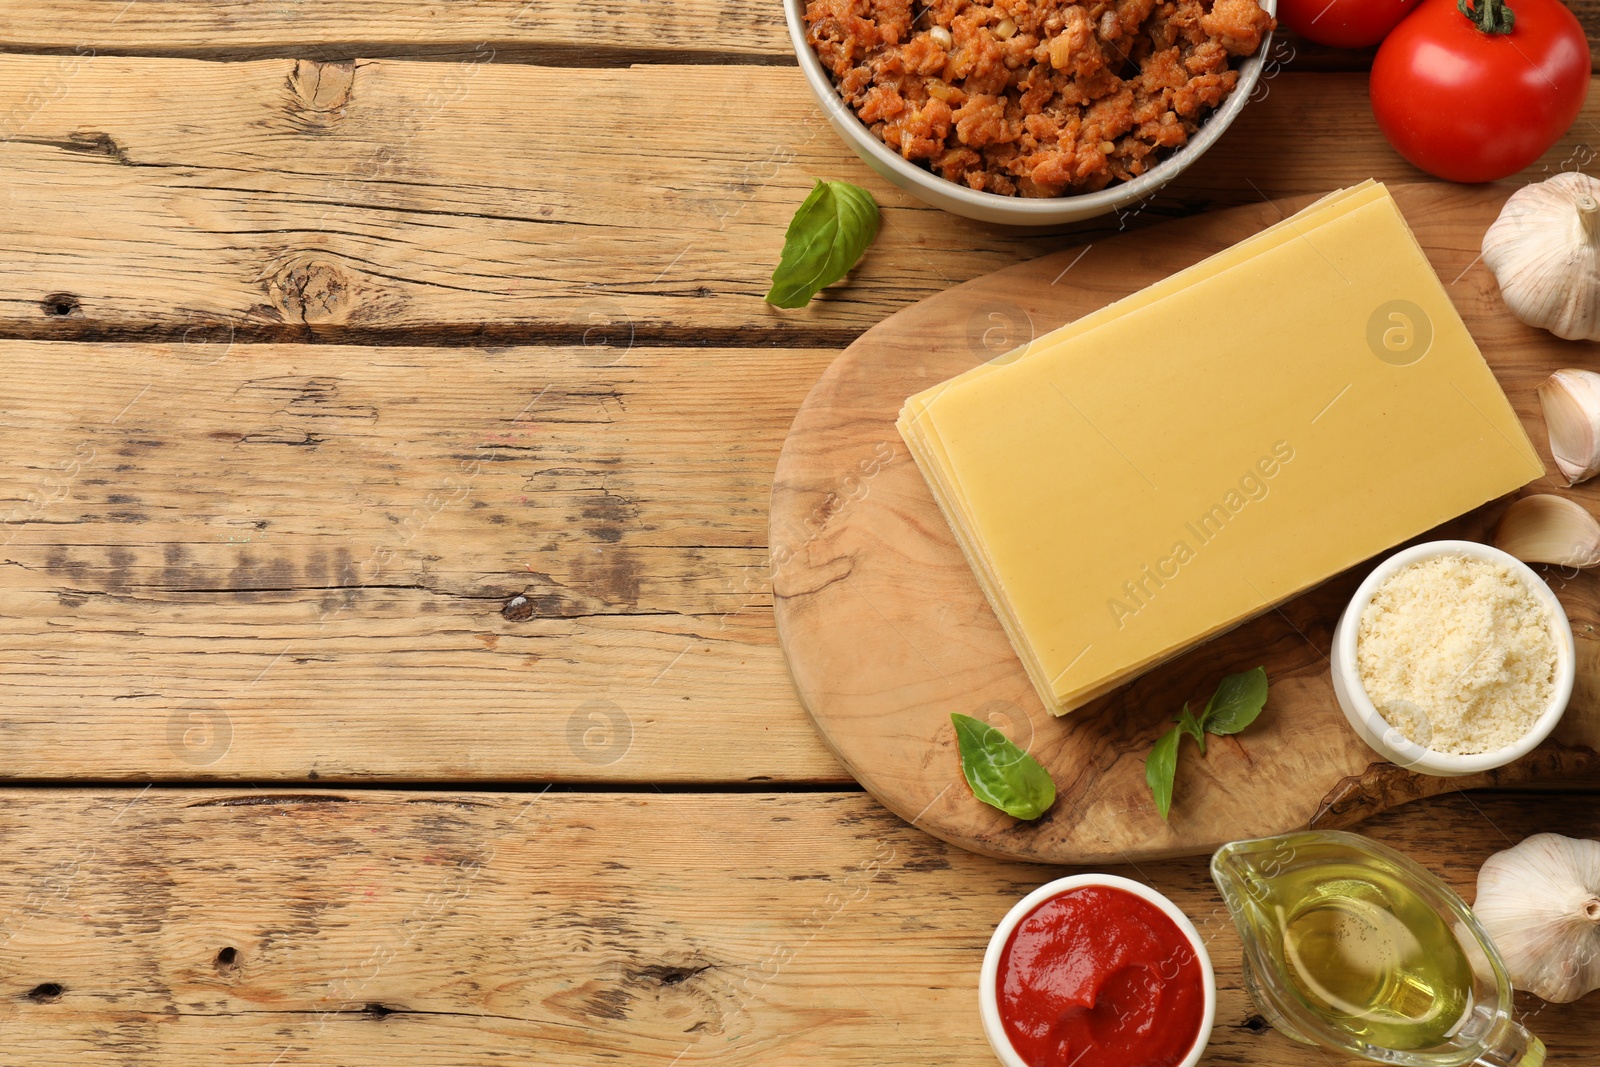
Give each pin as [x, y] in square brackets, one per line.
[1471, 106]
[1343, 23]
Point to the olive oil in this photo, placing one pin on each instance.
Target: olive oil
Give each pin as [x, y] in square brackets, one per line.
[1350, 945]
[1370, 955]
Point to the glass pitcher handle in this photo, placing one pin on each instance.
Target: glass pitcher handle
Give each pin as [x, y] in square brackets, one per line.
[1514, 1046]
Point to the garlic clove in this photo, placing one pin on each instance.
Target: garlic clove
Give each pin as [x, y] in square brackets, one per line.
[1549, 529]
[1571, 403]
[1540, 903]
[1544, 250]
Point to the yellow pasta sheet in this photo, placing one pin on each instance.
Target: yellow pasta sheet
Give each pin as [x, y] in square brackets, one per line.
[1173, 464]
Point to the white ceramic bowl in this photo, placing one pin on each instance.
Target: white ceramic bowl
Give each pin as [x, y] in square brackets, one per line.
[1012, 210]
[1389, 742]
[989, 1002]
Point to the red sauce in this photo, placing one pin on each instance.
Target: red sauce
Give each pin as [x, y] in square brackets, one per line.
[1098, 977]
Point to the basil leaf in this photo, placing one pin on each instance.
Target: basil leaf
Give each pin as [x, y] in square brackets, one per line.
[1236, 703]
[827, 235]
[1161, 767]
[1001, 774]
[1188, 724]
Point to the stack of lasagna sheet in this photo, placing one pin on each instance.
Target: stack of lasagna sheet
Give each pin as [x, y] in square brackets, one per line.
[1173, 464]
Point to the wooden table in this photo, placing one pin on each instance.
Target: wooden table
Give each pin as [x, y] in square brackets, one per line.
[390, 412]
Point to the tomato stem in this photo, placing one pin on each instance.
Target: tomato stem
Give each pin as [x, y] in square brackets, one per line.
[1490, 16]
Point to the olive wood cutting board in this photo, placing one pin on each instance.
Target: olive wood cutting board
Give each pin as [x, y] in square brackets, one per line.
[887, 632]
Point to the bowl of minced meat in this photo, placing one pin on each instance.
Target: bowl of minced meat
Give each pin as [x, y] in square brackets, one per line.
[1030, 111]
[1453, 658]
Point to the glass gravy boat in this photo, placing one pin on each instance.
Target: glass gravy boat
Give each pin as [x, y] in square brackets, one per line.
[1350, 945]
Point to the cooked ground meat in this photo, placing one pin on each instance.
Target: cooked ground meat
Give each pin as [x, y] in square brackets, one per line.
[1034, 97]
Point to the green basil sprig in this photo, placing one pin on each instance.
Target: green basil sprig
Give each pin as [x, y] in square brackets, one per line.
[1235, 705]
[1001, 774]
[827, 235]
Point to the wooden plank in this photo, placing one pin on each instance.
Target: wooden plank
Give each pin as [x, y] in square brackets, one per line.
[275, 200]
[336, 562]
[516, 30]
[410, 928]
[510, 30]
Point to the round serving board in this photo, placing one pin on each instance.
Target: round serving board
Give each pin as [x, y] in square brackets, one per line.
[887, 632]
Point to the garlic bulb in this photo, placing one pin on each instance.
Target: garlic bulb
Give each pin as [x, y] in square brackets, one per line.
[1549, 529]
[1571, 403]
[1544, 250]
[1540, 902]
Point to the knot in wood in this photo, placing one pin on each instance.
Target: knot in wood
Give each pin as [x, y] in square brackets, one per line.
[310, 291]
[319, 93]
[61, 305]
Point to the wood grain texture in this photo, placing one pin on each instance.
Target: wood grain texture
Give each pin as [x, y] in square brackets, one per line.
[462, 928]
[887, 631]
[342, 562]
[443, 202]
[1383, 785]
[518, 30]
[526, 30]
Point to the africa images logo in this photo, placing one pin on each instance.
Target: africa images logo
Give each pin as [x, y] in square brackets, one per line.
[1252, 486]
[1399, 333]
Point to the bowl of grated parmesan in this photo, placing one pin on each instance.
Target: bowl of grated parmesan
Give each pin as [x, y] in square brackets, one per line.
[1453, 658]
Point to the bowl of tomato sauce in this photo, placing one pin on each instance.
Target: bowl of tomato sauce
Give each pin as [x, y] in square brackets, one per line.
[1097, 971]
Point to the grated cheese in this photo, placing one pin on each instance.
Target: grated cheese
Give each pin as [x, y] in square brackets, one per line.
[1456, 653]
